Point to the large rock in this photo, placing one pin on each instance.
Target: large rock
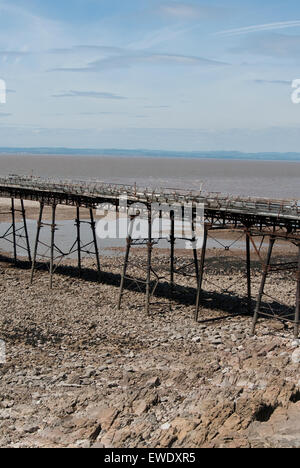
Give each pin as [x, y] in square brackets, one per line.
[281, 431]
[296, 356]
[104, 415]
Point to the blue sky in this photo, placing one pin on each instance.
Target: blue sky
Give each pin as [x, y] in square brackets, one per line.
[181, 75]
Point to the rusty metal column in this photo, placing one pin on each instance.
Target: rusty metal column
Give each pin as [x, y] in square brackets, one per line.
[172, 243]
[52, 247]
[248, 261]
[149, 260]
[26, 230]
[78, 239]
[297, 313]
[266, 268]
[195, 249]
[201, 272]
[39, 225]
[128, 246]
[93, 226]
[13, 220]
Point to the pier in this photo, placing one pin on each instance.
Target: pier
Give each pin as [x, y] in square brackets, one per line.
[254, 218]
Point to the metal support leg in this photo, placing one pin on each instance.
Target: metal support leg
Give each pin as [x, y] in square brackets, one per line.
[201, 272]
[149, 260]
[195, 251]
[196, 264]
[39, 225]
[78, 240]
[248, 261]
[52, 246]
[297, 313]
[26, 230]
[266, 268]
[93, 227]
[172, 244]
[13, 218]
[128, 246]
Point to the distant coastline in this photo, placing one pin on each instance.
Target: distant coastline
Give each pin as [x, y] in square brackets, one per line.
[140, 153]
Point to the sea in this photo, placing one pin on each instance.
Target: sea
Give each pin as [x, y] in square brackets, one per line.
[271, 175]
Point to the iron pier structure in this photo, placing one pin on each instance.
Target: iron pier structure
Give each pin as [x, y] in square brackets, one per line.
[256, 219]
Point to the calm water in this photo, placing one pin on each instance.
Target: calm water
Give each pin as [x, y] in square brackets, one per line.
[272, 179]
[65, 238]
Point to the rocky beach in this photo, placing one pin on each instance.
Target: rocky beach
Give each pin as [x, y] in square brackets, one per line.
[80, 373]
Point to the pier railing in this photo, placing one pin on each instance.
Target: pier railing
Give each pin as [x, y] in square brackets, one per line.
[284, 209]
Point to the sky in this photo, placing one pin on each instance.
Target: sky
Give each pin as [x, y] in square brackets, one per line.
[164, 75]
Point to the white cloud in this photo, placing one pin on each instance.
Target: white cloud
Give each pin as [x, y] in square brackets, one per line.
[276, 82]
[89, 94]
[21, 26]
[158, 36]
[140, 58]
[259, 28]
[86, 48]
[185, 11]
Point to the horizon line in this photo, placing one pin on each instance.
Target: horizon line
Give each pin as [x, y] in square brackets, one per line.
[17, 149]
